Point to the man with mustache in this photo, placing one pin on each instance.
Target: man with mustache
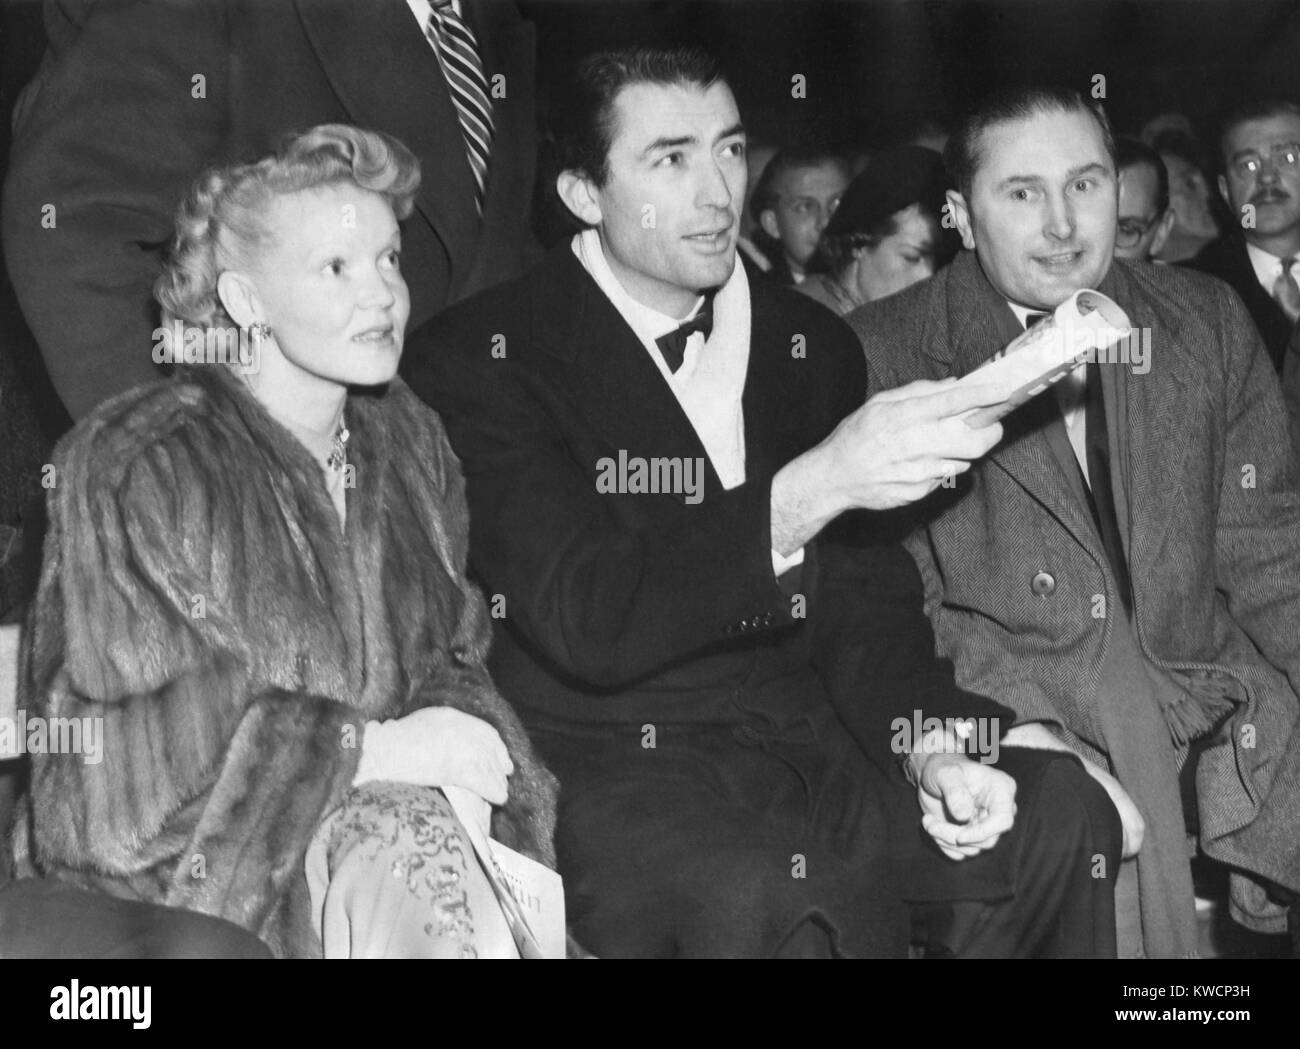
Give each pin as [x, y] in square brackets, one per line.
[1260, 147]
[1145, 217]
[659, 643]
[1123, 569]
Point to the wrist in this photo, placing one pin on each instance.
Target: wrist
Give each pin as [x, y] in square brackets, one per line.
[827, 498]
[1034, 734]
[939, 743]
[803, 501]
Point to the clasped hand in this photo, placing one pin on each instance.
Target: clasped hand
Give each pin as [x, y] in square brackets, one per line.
[437, 747]
[967, 805]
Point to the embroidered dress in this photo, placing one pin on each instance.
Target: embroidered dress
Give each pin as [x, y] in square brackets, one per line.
[392, 874]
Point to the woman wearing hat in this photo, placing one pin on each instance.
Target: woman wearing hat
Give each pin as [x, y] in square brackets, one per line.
[886, 233]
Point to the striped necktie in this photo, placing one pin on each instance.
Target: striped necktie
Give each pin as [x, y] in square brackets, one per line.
[463, 69]
[1285, 292]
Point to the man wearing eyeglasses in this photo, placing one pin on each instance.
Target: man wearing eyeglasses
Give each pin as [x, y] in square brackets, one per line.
[793, 202]
[1145, 217]
[1261, 182]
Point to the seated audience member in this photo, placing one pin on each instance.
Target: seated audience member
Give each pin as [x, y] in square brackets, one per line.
[1196, 223]
[1257, 254]
[255, 577]
[794, 200]
[1123, 570]
[886, 233]
[1145, 217]
[656, 629]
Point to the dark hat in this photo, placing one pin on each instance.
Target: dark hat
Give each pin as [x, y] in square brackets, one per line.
[895, 179]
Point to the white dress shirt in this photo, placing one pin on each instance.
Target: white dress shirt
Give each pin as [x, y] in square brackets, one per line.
[423, 10]
[1071, 394]
[710, 383]
[1267, 267]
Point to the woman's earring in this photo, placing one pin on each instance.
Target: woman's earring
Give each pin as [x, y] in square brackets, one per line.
[259, 330]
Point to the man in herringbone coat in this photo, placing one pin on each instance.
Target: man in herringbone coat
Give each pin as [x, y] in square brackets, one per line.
[1181, 639]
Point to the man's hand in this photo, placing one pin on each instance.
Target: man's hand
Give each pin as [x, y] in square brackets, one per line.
[968, 806]
[902, 444]
[897, 448]
[1036, 735]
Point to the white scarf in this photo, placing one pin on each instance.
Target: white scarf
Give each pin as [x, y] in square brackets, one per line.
[710, 384]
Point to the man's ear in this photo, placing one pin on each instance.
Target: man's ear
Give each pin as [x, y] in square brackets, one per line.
[1223, 192]
[579, 196]
[239, 298]
[961, 216]
[767, 219]
[1163, 229]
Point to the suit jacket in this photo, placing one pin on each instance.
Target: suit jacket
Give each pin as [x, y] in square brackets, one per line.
[230, 734]
[635, 608]
[1291, 389]
[1214, 549]
[1226, 259]
[116, 125]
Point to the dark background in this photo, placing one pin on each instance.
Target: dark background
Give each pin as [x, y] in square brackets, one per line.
[874, 69]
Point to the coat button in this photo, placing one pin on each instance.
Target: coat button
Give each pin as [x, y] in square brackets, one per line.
[1044, 585]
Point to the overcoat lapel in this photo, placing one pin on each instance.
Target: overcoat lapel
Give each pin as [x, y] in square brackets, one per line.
[507, 47]
[979, 324]
[387, 77]
[611, 379]
[1159, 439]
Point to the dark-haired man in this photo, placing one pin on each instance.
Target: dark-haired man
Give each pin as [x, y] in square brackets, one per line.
[793, 202]
[1257, 256]
[1145, 218]
[641, 494]
[1123, 570]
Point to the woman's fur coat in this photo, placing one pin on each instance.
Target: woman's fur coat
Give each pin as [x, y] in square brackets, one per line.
[198, 594]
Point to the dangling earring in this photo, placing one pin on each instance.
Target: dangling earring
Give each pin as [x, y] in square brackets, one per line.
[259, 330]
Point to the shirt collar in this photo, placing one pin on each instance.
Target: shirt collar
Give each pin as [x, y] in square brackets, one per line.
[422, 9]
[1268, 267]
[649, 324]
[1022, 312]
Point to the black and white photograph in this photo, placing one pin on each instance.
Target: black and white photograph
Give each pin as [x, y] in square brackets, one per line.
[651, 479]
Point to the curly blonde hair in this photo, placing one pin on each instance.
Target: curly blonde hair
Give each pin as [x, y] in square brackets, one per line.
[220, 221]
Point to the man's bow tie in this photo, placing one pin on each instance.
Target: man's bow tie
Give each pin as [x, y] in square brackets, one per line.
[673, 345]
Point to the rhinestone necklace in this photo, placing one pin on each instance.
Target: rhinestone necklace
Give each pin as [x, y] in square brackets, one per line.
[338, 458]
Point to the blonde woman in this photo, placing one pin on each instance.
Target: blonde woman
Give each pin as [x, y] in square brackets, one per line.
[256, 578]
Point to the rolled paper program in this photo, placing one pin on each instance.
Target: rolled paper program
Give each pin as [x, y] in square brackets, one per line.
[1085, 327]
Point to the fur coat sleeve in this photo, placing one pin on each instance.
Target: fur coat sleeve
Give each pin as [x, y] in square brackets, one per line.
[198, 595]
